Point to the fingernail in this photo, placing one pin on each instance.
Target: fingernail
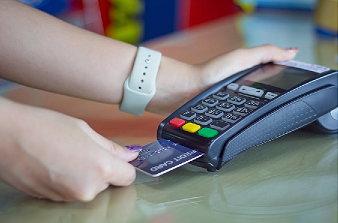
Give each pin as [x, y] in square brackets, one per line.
[134, 148]
[291, 49]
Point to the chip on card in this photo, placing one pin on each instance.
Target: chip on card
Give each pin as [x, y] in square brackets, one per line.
[163, 156]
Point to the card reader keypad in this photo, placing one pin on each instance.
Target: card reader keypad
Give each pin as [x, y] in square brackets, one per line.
[219, 111]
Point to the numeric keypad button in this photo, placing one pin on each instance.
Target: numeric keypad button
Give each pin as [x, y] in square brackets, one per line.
[221, 95]
[236, 100]
[252, 104]
[225, 106]
[199, 108]
[232, 118]
[188, 115]
[214, 113]
[211, 102]
[202, 120]
[242, 111]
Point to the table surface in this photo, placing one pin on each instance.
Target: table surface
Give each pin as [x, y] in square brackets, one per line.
[291, 179]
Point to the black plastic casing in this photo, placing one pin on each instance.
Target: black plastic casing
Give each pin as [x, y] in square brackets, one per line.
[298, 107]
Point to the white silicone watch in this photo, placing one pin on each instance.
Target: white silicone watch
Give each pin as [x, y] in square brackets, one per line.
[140, 86]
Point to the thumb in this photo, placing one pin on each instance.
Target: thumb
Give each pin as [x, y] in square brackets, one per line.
[127, 153]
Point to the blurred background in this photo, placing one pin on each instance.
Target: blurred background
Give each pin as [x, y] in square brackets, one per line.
[310, 25]
[136, 21]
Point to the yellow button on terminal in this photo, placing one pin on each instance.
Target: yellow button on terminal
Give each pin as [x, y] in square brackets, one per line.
[191, 127]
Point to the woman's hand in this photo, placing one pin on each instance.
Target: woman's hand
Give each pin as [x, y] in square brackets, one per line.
[50, 155]
[225, 65]
[179, 82]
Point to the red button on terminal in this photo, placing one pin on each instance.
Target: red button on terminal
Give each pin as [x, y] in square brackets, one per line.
[177, 122]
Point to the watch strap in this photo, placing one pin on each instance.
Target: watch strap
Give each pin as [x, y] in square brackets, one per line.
[140, 86]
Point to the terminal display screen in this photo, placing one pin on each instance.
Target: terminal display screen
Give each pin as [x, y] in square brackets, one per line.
[277, 76]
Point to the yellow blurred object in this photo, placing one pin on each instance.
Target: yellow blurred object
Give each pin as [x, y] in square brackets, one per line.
[124, 24]
[130, 33]
[326, 53]
[130, 7]
[326, 14]
[247, 6]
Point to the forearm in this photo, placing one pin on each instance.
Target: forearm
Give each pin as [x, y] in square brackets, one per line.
[41, 51]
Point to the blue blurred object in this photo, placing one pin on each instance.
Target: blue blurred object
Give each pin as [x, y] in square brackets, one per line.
[326, 33]
[159, 18]
[53, 7]
[282, 4]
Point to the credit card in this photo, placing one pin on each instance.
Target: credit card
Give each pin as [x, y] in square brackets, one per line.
[162, 156]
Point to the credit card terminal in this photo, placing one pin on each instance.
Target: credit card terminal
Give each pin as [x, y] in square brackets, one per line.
[253, 107]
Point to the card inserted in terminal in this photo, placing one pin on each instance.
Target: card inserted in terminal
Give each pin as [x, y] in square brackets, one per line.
[163, 156]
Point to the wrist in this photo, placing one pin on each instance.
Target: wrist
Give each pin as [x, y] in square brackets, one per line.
[176, 83]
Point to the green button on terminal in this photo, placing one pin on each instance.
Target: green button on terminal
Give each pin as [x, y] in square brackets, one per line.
[207, 132]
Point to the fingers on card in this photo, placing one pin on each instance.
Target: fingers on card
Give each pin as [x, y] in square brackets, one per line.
[162, 156]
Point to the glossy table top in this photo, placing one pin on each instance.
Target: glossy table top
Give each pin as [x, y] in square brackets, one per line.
[291, 179]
